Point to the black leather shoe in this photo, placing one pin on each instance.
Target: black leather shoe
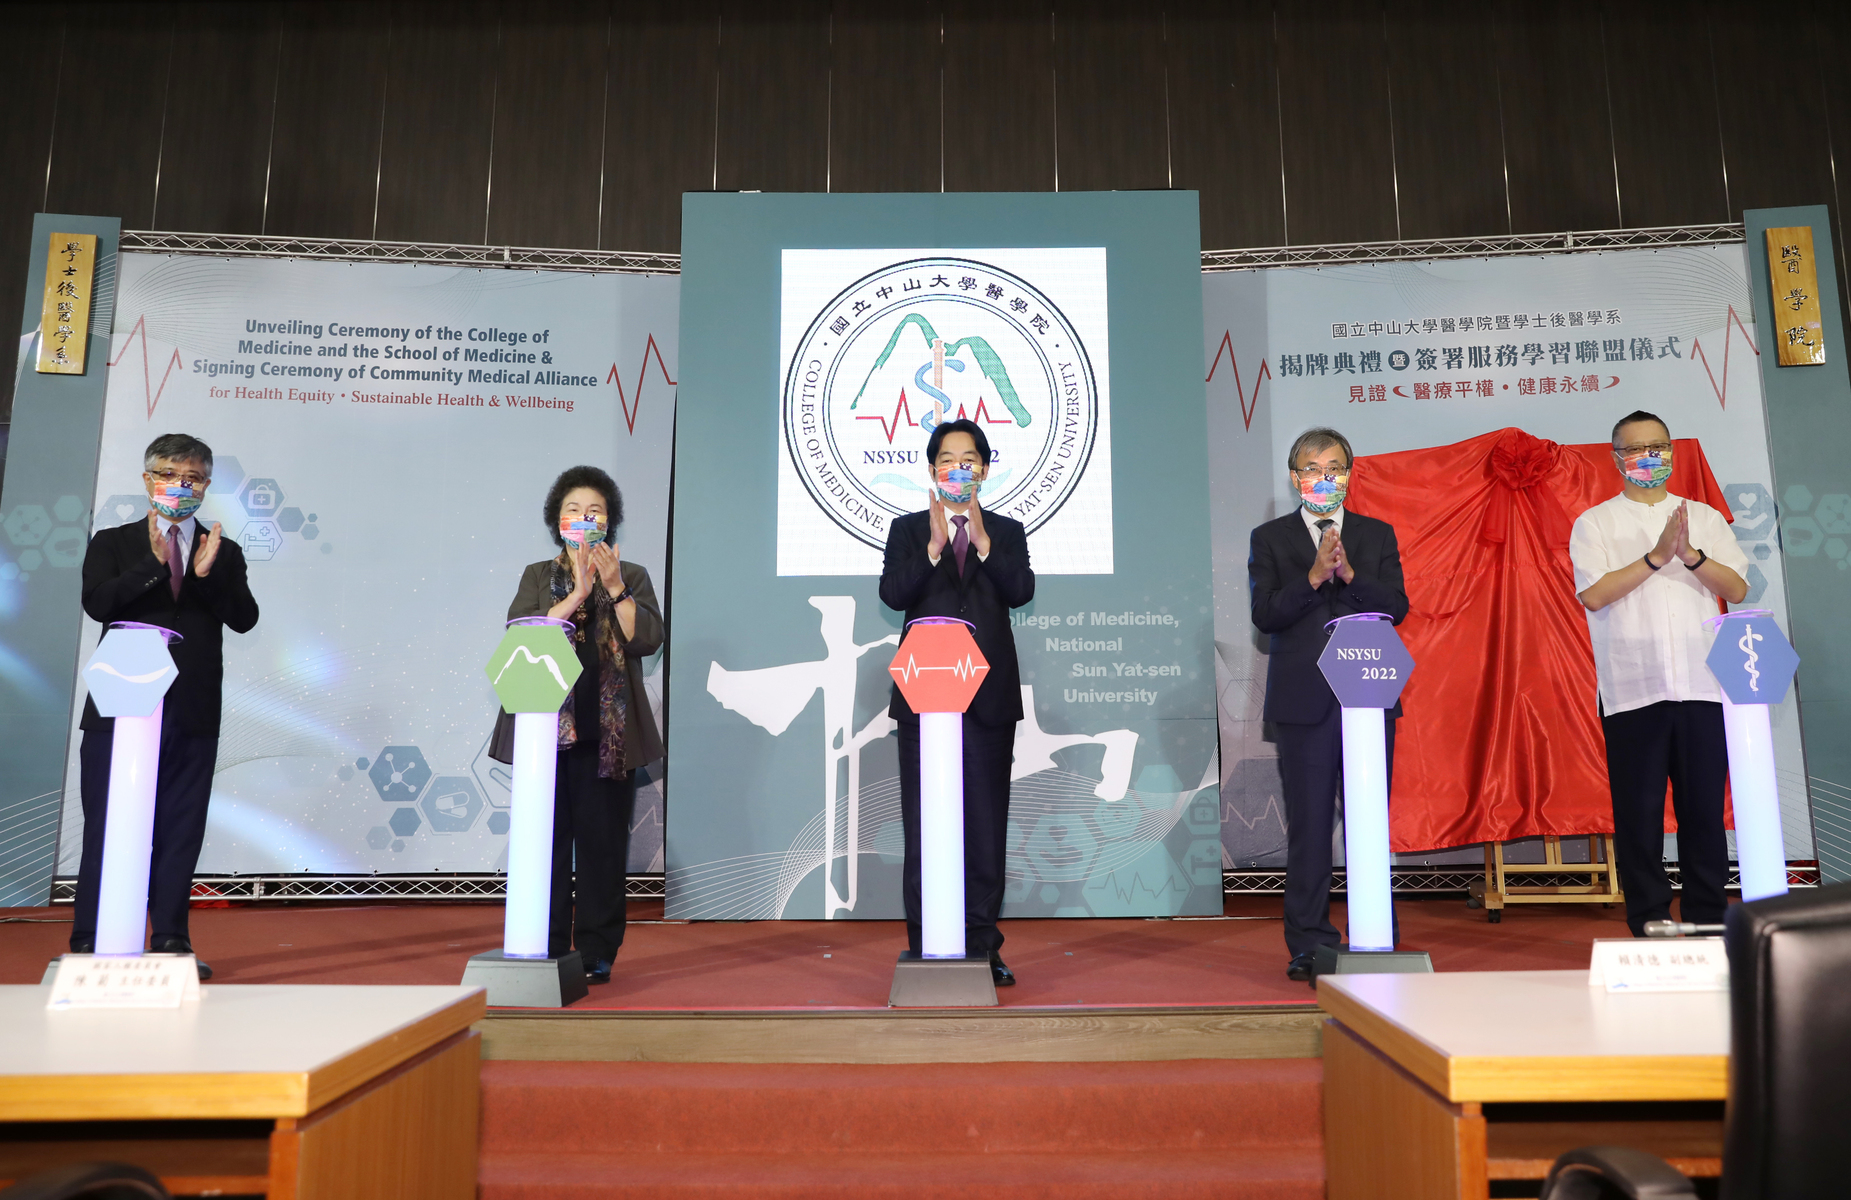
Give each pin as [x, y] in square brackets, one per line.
[598, 970]
[1000, 974]
[179, 945]
[87, 946]
[1300, 969]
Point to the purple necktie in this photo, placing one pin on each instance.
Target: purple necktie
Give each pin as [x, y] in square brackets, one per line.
[176, 561]
[960, 541]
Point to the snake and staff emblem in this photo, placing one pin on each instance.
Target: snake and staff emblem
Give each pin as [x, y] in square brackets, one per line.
[1747, 645]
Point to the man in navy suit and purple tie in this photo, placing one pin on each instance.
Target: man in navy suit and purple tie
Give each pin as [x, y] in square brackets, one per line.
[1305, 569]
[956, 560]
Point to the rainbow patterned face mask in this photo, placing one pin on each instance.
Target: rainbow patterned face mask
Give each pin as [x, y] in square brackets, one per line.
[1323, 493]
[175, 501]
[1645, 469]
[582, 532]
[957, 485]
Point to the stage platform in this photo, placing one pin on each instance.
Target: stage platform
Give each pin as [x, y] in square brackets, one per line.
[815, 991]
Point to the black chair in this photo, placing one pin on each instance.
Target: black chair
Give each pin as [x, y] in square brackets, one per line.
[1789, 1110]
[88, 1181]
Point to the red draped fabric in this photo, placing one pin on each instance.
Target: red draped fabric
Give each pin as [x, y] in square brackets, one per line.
[1501, 737]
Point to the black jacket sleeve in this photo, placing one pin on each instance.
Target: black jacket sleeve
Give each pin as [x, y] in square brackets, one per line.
[228, 588]
[648, 637]
[1385, 591]
[1007, 567]
[1279, 594]
[905, 569]
[115, 574]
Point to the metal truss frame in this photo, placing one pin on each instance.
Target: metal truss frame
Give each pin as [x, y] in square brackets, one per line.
[252, 245]
[1570, 242]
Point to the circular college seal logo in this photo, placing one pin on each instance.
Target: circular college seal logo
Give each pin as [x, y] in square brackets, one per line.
[929, 340]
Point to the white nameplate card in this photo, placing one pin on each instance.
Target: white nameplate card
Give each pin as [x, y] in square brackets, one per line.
[124, 981]
[1659, 965]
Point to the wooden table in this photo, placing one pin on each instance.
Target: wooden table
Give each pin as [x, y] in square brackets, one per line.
[296, 1093]
[1436, 1085]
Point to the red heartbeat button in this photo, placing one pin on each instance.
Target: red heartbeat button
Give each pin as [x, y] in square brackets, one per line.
[939, 668]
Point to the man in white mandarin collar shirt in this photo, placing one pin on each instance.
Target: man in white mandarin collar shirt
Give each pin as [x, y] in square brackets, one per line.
[1651, 566]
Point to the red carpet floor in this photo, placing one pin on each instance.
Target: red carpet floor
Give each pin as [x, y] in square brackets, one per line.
[1247, 1128]
[833, 964]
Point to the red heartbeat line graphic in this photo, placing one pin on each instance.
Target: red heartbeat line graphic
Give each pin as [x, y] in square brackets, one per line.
[1247, 406]
[964, 668]
[152, 393]
[1696, 352]
[642, 369]
[983, 414]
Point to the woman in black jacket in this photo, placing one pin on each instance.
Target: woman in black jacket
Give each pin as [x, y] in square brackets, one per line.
[606, 729]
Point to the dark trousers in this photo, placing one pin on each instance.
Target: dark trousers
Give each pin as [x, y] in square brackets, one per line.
[182, 790]
[1681, 742]
[591, 816]
[1311, 769]
[989, 752]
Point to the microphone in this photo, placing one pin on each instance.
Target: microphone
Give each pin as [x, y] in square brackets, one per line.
[1671, 929]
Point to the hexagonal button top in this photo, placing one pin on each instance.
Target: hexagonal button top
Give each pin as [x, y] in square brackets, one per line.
[938, 667]
[1751, 658]
[533, 669]
[1365, 662]
[130, 672]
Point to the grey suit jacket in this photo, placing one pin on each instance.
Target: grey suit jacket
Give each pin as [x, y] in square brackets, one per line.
[641, 742]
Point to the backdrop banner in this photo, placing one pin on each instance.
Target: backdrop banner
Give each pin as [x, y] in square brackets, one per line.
[1427, 356]
[384, 437]
[826, 335]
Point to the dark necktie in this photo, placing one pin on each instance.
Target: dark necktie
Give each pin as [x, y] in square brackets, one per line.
[176, 560]
[1323, 524]
[960, 541]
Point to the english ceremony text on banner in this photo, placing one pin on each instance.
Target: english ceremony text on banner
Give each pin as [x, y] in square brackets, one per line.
[384, 437]
[825, 333]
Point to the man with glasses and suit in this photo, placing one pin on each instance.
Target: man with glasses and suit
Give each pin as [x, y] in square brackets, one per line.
[1304, 570]
[169, 571]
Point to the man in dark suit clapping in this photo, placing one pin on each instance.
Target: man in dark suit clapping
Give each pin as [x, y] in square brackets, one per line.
[955, 560]
[165, 571]
[1305, 569]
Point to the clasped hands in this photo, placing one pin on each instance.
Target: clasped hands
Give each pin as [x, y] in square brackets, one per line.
[603, 561]
[1332, 561]
[1674, 542]
[941, 529]
[204, 555]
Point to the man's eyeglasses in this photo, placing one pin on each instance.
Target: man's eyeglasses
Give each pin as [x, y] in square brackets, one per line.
[1659, 449]
[191, 479]
[1315, 472]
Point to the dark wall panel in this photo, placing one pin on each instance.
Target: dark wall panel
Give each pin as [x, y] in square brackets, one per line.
[550, 112]
[220, 105]
[1774, 120]
[1449, 141]
[664, 70]
[1665, 130]
[1333, 77]
[1224, 120]
[110, 101]
[324, 161]
[1835, 94]
[1112, 120]
[29, 38]
[1557, 137]
[885, 119]
[999, 96]
[439, 126]
[774, 96]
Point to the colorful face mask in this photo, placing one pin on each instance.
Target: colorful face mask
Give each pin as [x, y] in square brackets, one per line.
[583, 532]
[175, 501]
[1323, 493]
[1645, 469]
[957, 485]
